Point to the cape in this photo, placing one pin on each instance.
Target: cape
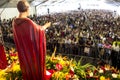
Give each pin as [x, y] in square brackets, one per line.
[30, 42]
[3, 59]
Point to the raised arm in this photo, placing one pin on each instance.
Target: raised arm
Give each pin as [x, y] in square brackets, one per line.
[46, 25]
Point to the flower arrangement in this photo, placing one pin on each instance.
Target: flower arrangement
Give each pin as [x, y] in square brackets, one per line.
[61, 68]
[12, 56]
[107, 72]
[12, 72]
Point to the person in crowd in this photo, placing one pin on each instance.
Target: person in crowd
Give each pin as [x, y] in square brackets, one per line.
[81, 46]
[88, 45]
[115, 54]
[107, 51]
[30, 42]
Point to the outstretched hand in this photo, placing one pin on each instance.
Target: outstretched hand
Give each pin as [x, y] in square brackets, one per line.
[48, 24]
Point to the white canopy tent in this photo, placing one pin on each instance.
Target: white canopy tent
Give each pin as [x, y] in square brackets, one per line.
[67, 5]
[41, 7]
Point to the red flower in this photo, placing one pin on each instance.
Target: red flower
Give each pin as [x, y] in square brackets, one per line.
[59, 67]
[13, 54]
[71, 71]
[51, 71]
[95, 71]
[103, 68]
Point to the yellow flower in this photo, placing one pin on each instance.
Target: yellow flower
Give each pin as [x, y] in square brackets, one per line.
[102, 78]
[1, 78]
[7, 55]
[15, 58]
[16, 68]
[61, 62]
[2, 74]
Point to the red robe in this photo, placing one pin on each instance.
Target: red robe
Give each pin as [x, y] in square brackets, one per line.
[31, 46]
[3, 60]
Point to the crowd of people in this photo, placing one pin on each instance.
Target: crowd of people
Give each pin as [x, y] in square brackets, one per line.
[93, 33]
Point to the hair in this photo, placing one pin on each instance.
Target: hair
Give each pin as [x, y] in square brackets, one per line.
[21, 6]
